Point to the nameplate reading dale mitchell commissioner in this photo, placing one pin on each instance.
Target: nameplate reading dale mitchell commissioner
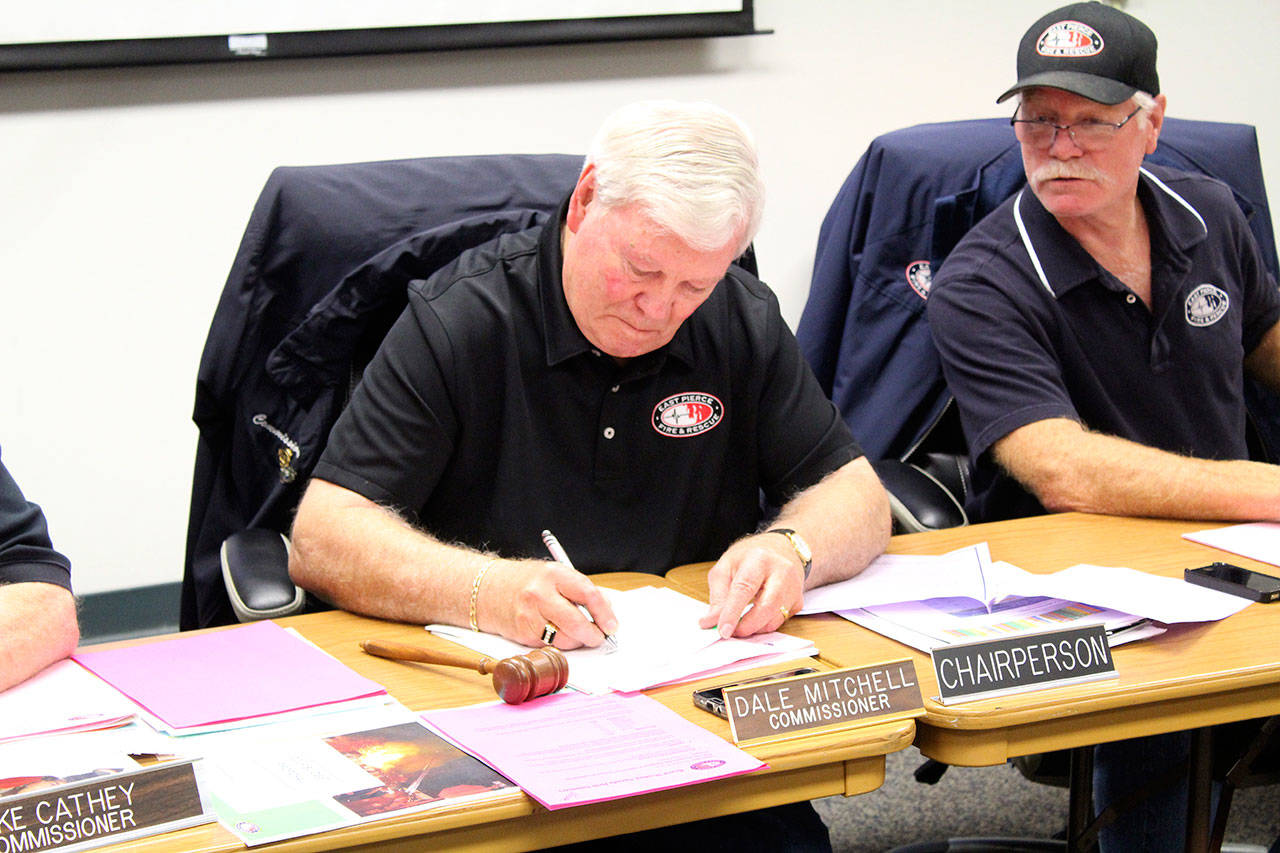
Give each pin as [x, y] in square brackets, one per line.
[836, 698]
[102, 810]
[987, 668]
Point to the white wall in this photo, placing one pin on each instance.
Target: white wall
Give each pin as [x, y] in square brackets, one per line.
[125, 192]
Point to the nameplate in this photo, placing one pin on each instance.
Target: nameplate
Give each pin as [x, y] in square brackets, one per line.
[836, 698]
[987, 668]
[102, 810]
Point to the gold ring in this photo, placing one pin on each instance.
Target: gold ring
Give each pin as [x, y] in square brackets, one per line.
[786, 614]
[549, 632]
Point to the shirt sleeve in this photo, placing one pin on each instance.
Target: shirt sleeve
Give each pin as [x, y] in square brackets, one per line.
[1262, 298]
[26, 554]
[802, 436]
[998, 361]
[394, 440]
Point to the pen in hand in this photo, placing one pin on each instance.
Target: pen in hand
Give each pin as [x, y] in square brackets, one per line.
[558, 554]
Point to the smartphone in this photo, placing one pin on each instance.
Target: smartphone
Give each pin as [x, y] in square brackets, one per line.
[712, 698]
[1245, 583]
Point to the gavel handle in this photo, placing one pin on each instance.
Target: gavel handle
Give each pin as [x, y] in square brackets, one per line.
[404, 651]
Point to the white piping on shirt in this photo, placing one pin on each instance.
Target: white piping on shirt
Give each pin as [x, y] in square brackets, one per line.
[1035, 258]
[1026, 241]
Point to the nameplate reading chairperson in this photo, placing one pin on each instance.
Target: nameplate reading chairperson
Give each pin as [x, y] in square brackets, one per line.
[837, 698]
[1026, 662]
[102, 810]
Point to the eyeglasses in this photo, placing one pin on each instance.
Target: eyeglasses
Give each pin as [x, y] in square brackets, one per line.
[1087, 135]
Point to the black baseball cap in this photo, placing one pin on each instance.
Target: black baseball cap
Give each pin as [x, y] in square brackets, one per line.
[1090, 49]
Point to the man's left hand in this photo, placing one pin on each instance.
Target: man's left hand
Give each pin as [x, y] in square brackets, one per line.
[760, 571]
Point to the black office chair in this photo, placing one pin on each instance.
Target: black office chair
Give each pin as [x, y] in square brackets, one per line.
[319, 277]
[907, 202]
[903, 208]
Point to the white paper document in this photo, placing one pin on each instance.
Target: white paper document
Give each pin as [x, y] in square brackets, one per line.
[970, 573]
[1259, 540]
[659, 641]
[64, 697]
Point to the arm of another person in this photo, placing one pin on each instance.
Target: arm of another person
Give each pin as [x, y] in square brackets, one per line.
[845, 520]
[362, 557]
[38, 624]
[1068, 467]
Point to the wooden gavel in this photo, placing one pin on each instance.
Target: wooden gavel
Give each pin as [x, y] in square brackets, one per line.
[515, 679]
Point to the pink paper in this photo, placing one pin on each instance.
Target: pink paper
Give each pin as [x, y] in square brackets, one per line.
[571, 749]
[223, 676]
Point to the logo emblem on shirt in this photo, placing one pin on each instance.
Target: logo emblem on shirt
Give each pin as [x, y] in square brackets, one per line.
[690, 413]
[1069, 39]
[920, 277]
[1206, 305]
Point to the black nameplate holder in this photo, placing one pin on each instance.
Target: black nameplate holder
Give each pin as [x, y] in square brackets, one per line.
[980, 670]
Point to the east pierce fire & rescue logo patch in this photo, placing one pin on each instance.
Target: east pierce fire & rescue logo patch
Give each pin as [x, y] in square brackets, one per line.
[686, 414]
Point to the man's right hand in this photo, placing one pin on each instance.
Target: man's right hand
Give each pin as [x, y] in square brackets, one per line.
[519, 598]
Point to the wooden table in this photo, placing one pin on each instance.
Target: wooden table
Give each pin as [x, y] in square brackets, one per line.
[1193, 676]
[799, 769]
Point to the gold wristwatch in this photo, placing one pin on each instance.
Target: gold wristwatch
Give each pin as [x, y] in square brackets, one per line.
[798, 543]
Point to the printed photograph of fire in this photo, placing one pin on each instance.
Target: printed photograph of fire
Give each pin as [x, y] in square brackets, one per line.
[416, 767]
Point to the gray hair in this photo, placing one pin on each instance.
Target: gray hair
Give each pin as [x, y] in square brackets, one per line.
[691, 167]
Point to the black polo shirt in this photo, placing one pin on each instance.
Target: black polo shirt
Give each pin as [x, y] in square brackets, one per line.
[26, 555]
[486, 416]
[1030, 327]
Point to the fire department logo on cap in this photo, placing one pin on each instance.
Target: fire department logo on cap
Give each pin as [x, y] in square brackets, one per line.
[1206, 305]
[920, 277]
[1069, 39]
[690, 413]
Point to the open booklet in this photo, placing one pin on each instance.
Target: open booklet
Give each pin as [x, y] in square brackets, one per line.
[301, 777]
[927, 601]
[659, 641]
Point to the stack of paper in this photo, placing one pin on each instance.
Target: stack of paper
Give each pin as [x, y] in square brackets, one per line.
[240, 676]
[568, 749]
[659, 642]
[289, 779]
[966, 596]
[63, 698]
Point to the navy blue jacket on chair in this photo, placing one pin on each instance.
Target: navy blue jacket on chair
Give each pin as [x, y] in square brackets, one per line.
[320, 275]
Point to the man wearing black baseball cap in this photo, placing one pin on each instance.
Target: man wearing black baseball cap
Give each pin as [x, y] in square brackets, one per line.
[1096, 328]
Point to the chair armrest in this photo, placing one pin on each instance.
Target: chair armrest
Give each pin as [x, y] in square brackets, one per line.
[917, 500]
[255, 569]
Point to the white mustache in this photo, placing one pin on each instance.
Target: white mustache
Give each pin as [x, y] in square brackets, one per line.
[1058, 169]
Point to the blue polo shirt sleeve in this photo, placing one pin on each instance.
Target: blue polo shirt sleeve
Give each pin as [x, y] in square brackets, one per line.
[26, 554]
[1262, 297]
[997, 355]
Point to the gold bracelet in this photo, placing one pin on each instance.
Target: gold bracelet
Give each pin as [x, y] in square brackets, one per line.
[475, 592]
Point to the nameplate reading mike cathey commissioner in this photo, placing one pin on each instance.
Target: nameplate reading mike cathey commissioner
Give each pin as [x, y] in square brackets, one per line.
[1024, 662]
[103, 809]
[837, 698]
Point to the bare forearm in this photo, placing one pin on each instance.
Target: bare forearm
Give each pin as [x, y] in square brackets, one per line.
[37, 628]
[845, 519]
[1069, 468]
[362, 557]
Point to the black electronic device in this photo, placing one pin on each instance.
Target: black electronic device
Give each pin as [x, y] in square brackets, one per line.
[712, 698]
[1235, 580]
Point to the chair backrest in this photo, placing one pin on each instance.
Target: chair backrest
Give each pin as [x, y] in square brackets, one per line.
[319, 277]
[907, 202]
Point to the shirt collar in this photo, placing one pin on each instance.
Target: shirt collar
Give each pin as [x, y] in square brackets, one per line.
[564, 339]
[1062, 263]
